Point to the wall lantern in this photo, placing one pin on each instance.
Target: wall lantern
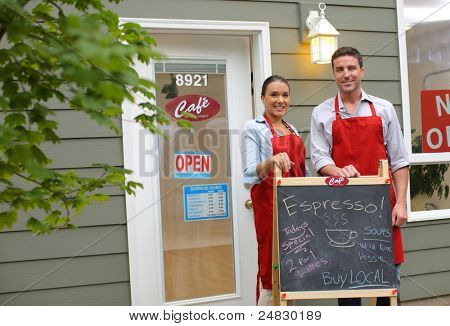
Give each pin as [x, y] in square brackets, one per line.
[322, 35]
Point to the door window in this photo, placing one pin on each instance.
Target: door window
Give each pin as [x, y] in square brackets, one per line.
[195, 182]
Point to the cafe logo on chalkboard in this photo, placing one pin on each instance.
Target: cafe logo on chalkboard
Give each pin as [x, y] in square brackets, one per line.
[201, 106]
[336, 181]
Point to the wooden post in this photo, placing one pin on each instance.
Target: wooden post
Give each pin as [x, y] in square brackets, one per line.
[383, 169]
[275, 261]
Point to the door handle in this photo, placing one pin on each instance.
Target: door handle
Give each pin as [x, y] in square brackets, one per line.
[248, 204]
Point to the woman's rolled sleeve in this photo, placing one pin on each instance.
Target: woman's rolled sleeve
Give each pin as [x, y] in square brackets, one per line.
[251, 152]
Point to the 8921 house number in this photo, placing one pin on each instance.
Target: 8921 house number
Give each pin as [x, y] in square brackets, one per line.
[191, 80]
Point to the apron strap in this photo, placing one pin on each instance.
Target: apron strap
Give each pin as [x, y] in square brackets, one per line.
[372, 108]
[272, 130]
[336, 108]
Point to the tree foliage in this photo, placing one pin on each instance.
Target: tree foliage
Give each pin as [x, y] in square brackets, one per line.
[73, 52]
[427, 178]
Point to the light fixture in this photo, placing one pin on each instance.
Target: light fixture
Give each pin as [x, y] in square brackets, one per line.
[322, 36]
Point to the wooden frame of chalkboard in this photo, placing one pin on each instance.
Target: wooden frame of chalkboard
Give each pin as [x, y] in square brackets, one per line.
[335, 246]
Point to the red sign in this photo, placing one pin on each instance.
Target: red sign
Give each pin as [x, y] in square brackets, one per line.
[202, 106]
[336, 181]
[435, 106]
[192, 165]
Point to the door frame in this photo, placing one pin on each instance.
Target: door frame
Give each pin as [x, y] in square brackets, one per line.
[143, 229]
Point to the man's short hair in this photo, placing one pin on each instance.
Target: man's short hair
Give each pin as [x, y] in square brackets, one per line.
[347, 50]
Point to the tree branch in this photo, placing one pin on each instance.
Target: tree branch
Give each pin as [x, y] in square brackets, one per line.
[60, 11]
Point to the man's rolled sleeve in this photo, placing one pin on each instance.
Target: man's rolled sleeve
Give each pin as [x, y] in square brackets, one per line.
[396, 149]
[250, 149]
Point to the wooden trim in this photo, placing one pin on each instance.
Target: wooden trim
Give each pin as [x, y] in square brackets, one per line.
[320, 181]
[391, 292]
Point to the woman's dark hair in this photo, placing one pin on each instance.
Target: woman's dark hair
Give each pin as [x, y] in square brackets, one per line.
[272, 79]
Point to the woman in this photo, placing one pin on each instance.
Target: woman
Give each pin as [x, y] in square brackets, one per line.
[267, 141]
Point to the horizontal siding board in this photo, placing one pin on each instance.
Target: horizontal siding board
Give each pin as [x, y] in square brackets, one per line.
[115, 294]
[300, 116]
[286, 40]
[362, 19]
[78, 153]
[286, 13]
[106, 213]
[20, 246]
[56, 273]
[426, 237]
[299, 67]
[426, 261]
[425, 286]
[356, 3]
[88, 173]
[76, 124]
[315, 92]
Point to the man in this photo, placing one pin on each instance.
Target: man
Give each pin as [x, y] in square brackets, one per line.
[351, 132]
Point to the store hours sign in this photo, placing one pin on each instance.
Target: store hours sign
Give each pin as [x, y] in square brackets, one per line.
[435, 105]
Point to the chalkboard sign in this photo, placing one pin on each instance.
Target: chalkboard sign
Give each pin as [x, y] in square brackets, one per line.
[334, 238]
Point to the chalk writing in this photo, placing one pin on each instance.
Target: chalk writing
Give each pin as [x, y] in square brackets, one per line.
[310, 267]
[341, 238]
[355, 279]
[315, 207]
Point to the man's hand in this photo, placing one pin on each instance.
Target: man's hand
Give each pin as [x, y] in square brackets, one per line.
[399, 215]
[348, 171]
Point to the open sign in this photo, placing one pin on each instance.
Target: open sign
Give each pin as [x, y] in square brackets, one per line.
[435, 105]
[192, 165]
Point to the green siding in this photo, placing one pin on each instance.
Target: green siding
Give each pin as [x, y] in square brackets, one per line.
[293, 66]
[111, 212]
[81, 153]
[113, 294]
[286, 40]
[57, 273]
[89, 266]
[425, 285]
[98, 240]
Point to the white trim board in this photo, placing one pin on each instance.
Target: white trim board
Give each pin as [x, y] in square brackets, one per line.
[141, 219]
[414, 158]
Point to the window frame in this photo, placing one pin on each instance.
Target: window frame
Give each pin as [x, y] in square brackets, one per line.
[414, 158]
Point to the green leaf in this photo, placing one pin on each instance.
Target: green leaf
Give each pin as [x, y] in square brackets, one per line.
[36, 226]
[15, 119]
[42, 9]
[184, 124]
[99, 197]
[7, 219]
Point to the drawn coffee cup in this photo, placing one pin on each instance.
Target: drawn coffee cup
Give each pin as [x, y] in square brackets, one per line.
[341, 238]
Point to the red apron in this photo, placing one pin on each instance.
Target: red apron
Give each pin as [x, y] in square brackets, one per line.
[262, 195]
[359, 141]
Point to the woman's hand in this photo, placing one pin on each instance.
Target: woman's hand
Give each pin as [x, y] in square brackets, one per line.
[283, 161]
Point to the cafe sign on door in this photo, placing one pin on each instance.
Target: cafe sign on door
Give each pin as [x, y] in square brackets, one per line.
[200, 107]
[435, 107]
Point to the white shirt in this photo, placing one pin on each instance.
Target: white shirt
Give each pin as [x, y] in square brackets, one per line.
[321, 130]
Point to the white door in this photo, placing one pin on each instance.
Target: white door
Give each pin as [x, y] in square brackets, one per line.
[204, 245]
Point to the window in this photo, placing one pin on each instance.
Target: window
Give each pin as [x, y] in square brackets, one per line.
[424, 41]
